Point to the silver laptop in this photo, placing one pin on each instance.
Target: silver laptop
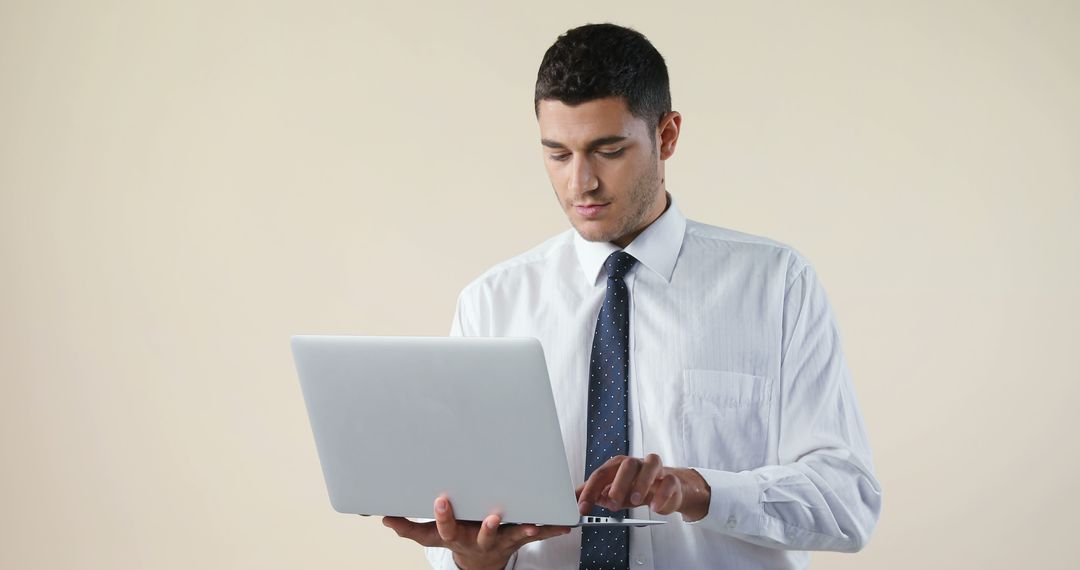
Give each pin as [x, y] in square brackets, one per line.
[400, 420]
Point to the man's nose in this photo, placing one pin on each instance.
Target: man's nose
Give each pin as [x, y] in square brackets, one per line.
[582, 179]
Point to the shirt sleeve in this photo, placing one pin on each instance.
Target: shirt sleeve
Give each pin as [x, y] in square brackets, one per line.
[457, 326]
[443, 559]
[823, 494]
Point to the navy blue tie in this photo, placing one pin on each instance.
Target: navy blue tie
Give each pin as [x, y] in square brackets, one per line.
[608, 548]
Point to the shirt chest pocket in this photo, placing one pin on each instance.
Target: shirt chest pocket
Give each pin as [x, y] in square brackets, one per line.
[725, 419]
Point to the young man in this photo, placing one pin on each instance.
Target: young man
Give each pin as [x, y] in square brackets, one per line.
[697, 371]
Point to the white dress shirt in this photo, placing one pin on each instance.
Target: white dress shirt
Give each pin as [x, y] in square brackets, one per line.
[736, 371]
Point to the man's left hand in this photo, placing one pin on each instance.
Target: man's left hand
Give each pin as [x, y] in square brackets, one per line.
[626, 482]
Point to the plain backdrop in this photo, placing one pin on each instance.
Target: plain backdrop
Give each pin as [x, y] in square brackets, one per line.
[184, 184]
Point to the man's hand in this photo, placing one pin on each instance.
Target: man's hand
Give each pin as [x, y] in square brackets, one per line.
[625, 482]
[476, 546]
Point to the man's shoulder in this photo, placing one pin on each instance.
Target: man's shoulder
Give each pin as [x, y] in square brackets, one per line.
[753, 246]
[533, 262]
[722, 235]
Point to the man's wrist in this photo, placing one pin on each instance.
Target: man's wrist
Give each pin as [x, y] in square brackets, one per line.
[696, 494]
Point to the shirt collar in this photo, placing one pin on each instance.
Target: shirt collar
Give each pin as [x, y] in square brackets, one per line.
[656, 248]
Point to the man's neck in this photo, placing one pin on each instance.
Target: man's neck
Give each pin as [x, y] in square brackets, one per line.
[627, 239]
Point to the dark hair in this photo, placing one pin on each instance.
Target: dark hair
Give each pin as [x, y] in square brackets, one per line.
[604, 60]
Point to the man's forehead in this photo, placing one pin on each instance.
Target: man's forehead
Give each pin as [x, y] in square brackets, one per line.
[586, 122]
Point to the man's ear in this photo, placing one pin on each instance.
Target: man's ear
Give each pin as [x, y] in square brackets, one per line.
[667, 133]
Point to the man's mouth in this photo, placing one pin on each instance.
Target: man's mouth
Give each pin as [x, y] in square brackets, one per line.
[590, 210]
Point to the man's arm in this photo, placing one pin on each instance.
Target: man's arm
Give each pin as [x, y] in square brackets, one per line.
[822, 496]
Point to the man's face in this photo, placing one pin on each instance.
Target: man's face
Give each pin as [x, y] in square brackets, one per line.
[604, 167]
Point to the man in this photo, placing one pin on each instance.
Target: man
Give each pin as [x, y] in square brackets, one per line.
[697, 371]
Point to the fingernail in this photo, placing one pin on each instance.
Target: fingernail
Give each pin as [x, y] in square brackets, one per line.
[440, 505]
[491, 524]
[636, 498]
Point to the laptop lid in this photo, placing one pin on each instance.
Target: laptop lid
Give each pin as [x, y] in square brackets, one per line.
[400, 420]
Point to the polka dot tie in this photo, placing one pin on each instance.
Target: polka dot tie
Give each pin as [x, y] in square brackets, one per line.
[608, 548]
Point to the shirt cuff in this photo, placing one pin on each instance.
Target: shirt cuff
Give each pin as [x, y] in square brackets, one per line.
[443, 559]
[734, 502]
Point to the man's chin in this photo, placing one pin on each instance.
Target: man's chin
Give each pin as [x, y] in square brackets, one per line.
[591, 231]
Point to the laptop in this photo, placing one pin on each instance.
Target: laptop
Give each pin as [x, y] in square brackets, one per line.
[400, 420]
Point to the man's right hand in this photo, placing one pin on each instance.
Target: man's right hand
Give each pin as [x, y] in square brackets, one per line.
[476, 546]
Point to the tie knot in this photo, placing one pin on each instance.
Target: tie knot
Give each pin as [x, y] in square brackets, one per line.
[618, 264]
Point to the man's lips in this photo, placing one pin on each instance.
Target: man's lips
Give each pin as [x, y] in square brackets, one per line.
[590, 210]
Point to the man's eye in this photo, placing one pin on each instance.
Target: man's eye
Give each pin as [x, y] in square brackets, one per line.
[559, 157]
[612, 154]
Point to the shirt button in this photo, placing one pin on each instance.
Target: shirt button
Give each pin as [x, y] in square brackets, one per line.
[731, 522]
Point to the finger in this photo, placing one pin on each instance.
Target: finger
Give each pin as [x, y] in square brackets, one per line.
[667, 498]
[538, 533]
[444, 520]
[604, 500]
[489, 530]
[546, 532]
[599, 478]
[645, 479]
[520, 534]
[577, 492]
[624, 481]
[675, 503]
[662, 492]
[424, 534]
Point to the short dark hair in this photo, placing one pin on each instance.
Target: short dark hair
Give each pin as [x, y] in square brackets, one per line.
[595, 61]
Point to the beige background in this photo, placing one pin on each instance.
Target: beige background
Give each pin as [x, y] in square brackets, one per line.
[185, 184]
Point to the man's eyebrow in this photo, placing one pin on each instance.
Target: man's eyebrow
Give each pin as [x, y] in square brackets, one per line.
[592, 145]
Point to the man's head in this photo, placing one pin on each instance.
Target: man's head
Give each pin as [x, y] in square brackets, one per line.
[603, 104]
